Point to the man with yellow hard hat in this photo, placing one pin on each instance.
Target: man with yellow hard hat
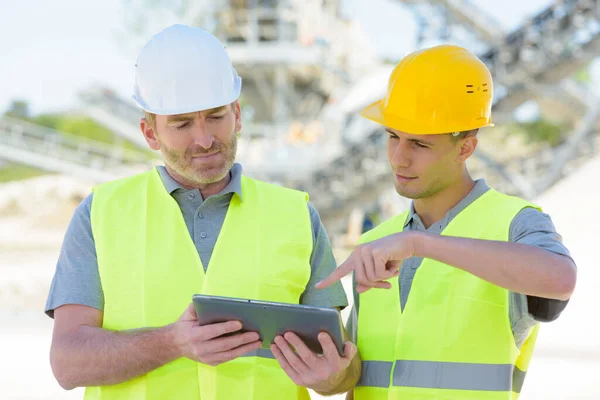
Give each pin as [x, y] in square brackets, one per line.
[138, 249]
[470, 272]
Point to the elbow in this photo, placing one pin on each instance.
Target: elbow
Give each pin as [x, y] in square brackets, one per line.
[564, 295]
[61, 372]
[63, 379]
[65, 384]
[565, 285]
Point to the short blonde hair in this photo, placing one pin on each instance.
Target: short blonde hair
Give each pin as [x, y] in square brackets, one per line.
[456, 136]
[150, 118]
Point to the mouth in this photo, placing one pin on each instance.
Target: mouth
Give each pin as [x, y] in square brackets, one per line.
[204, 156]
[404, 179]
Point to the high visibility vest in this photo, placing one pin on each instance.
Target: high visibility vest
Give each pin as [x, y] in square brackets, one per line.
[150, 269]
[453, 340]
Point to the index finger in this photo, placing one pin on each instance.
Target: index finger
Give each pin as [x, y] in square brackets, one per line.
[215, 330]
[344, 269]
[329, 350]
[302, 349]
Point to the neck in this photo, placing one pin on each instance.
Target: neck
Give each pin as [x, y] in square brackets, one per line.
[206, 190]
[434, 208]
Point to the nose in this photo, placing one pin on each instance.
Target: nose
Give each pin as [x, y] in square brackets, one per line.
[399, 153]
[202, 136]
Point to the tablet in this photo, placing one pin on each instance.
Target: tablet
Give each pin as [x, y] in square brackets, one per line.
[270, 319]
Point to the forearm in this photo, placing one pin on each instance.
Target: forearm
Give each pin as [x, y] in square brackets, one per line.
[92, 356]
[342, 382]
[516, 267]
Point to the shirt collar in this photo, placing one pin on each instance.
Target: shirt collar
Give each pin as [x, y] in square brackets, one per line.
[479, 189]
[234, 185]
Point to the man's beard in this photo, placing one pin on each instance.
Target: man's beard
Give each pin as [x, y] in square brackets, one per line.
[183, 164]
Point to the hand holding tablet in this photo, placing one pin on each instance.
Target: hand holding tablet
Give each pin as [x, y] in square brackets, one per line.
[271, 319]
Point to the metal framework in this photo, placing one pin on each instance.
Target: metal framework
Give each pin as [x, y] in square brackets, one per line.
[438, 18]
[115, 113]
[53, 151]
[294, 85]
[548, 48]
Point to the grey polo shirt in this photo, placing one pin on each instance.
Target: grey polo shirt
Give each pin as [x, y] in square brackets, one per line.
[77, 281]
[529, 226]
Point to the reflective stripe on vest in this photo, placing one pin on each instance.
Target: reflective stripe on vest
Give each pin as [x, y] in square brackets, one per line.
[442, 375]
[453, 339]
[150, 268]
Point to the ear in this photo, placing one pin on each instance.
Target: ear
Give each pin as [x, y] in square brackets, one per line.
[149, 134]
[238, 116]
[467, 148]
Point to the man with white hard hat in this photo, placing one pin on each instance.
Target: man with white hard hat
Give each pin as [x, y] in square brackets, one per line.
[137, 249]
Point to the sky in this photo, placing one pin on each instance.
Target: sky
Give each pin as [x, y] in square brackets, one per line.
[52, 50]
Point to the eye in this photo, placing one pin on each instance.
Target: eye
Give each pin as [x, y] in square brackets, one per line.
[419, 145]
[392, 136]
[216, 117]
[183, 126]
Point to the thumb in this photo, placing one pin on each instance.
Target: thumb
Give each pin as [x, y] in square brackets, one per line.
[349, 351]
[189, 314]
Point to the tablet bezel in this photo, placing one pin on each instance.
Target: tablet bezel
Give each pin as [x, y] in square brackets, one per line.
[276, 318]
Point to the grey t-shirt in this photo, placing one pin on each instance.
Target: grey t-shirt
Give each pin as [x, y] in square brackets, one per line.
[530, 226]
[77, 281]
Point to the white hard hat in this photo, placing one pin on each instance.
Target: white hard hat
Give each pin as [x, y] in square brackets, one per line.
[184, 69]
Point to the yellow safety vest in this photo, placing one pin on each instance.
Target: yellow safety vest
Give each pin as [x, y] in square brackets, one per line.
[150, 268]
[453, 340]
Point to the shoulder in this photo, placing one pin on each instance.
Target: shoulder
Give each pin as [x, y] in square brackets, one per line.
[81, 216]
[533, 216]
[124, 182]
[79, 231]
[531, 221]
[315, 218]
[493, 198]
[85, 205]
[320, 237]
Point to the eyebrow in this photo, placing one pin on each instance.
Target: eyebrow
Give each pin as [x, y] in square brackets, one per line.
[216, 110]
[411, 139]
[191, 116]
[181, 117]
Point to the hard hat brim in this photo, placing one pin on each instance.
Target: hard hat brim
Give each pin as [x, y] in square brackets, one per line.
[373, 112]
[191, 106]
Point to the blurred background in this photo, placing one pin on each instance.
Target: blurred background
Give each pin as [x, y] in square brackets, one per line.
[308, 68]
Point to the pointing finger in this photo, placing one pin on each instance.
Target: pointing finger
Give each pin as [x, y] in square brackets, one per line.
[344, 269]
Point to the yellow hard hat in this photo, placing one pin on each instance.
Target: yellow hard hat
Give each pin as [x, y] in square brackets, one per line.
[442, 89]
